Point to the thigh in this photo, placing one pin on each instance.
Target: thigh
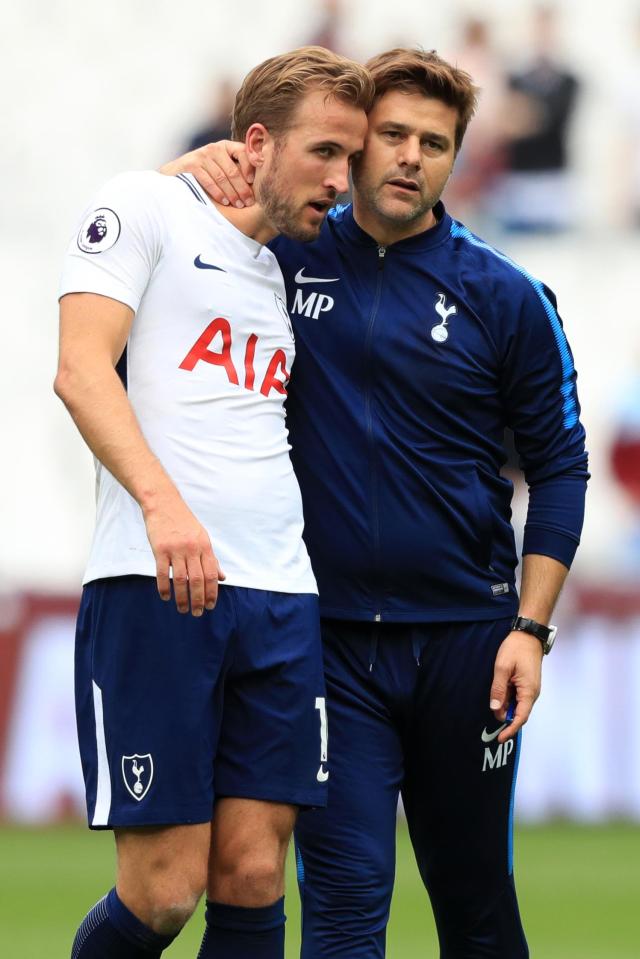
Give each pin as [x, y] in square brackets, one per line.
[458, 795]
[346, 852]
[272, 743]
[148, 701]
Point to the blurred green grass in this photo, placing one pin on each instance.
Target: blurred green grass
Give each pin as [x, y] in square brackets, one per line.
[579, 889]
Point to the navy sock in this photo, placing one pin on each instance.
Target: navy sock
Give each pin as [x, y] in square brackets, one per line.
[234, 932]
[111, 931]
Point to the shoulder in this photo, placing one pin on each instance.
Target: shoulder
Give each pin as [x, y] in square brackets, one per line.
[133, 183]
[143, 190]
[502, 276]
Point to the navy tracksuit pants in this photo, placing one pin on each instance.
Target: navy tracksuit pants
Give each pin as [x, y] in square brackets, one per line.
[408, 708]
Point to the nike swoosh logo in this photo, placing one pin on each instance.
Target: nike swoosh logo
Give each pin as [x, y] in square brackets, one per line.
[489, 737]
[300, 278]
[323, 775]
[206, 266]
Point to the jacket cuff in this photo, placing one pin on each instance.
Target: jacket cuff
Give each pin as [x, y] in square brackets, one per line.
[547, 542]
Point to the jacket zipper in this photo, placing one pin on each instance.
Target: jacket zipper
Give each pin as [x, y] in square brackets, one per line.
[374, 479]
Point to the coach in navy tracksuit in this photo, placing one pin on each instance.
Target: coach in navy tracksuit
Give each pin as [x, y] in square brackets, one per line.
[417, 344]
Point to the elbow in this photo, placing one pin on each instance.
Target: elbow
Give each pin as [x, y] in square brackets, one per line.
[65, 384]
[61, 384]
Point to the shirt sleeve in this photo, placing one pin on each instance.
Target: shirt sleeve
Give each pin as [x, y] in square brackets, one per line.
[118, 242]
[542, 409]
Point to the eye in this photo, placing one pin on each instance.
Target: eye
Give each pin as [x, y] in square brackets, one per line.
[325, 152]
[392, 134]
[433, 146]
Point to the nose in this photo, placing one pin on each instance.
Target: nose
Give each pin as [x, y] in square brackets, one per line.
[338, 178]
[409, 152]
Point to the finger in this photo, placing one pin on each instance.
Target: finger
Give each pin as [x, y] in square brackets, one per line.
[242, 186]
[247, 169]
[229, 182]
[522, 713]
[205, 175]
[162, 577]
[180, 584]
[229, 159]
[196, 584]
[498, 694]
[210, 569]
[219, 174]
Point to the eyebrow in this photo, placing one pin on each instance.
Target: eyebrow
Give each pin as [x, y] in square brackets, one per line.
[327, 143]
[404, 128]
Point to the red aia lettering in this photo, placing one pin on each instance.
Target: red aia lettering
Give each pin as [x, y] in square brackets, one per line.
[200, 351]
[278, 362]
[249, 354]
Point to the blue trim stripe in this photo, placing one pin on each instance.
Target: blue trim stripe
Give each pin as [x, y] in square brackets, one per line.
[188, 183]
[567, 389]
[512, 803]
[299, 867]
[336, 210]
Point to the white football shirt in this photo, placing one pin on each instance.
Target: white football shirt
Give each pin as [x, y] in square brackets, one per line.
[205, 368]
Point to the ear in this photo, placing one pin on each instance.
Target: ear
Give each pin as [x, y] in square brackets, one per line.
[259, 143]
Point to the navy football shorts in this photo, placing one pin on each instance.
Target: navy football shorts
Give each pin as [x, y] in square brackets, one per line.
[175, 711]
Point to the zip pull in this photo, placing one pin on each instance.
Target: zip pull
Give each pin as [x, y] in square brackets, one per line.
[381, 252]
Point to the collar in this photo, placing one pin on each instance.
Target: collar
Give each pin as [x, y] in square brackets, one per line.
[413, 244]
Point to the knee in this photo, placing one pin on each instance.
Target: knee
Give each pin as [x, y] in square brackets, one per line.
[171, 904]
[250, 879]
[164, 899]
[360, 889]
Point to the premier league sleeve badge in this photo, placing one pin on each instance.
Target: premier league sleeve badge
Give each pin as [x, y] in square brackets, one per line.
[99, 232]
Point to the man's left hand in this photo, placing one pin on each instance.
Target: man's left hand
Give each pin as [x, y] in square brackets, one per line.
[517, 675]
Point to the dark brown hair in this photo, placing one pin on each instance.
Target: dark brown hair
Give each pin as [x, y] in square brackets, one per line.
[423, 71]
[271, 92]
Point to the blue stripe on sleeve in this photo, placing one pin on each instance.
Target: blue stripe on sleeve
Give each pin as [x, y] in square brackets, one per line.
[567, 388]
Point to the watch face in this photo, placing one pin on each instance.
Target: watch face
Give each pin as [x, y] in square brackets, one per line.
[551, 638]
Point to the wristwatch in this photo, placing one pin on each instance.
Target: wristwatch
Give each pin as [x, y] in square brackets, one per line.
[546, 634]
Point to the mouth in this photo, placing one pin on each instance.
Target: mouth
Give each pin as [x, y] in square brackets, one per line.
[401, 183]
[321, 206]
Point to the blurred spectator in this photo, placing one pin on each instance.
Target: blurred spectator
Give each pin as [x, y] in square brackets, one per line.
[536, 191]
[625, 462]
[327, 32]
[629, 164]
[480, 160]
[218, 126]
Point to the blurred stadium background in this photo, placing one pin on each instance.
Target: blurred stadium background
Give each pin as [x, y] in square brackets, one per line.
[93, 89]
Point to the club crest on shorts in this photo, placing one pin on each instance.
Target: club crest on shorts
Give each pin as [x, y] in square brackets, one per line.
[99, 232]
[137, 772]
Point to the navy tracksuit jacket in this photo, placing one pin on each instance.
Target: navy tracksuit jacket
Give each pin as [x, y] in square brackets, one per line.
[410, 362]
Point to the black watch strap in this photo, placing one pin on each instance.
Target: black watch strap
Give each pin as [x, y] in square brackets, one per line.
[546, 634]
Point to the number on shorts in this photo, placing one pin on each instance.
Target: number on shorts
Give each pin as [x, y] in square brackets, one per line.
[321, 705]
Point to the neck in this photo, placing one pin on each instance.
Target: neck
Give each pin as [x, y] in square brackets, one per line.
[385, 232]
[250, 220]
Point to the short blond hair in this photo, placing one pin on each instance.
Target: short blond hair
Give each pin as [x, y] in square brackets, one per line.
[271, 92]
[412, 70]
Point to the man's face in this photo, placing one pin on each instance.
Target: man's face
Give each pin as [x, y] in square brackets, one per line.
[308, 167]
[407, 160]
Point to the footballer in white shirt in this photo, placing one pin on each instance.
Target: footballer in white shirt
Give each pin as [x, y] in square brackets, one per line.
[202, 730]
